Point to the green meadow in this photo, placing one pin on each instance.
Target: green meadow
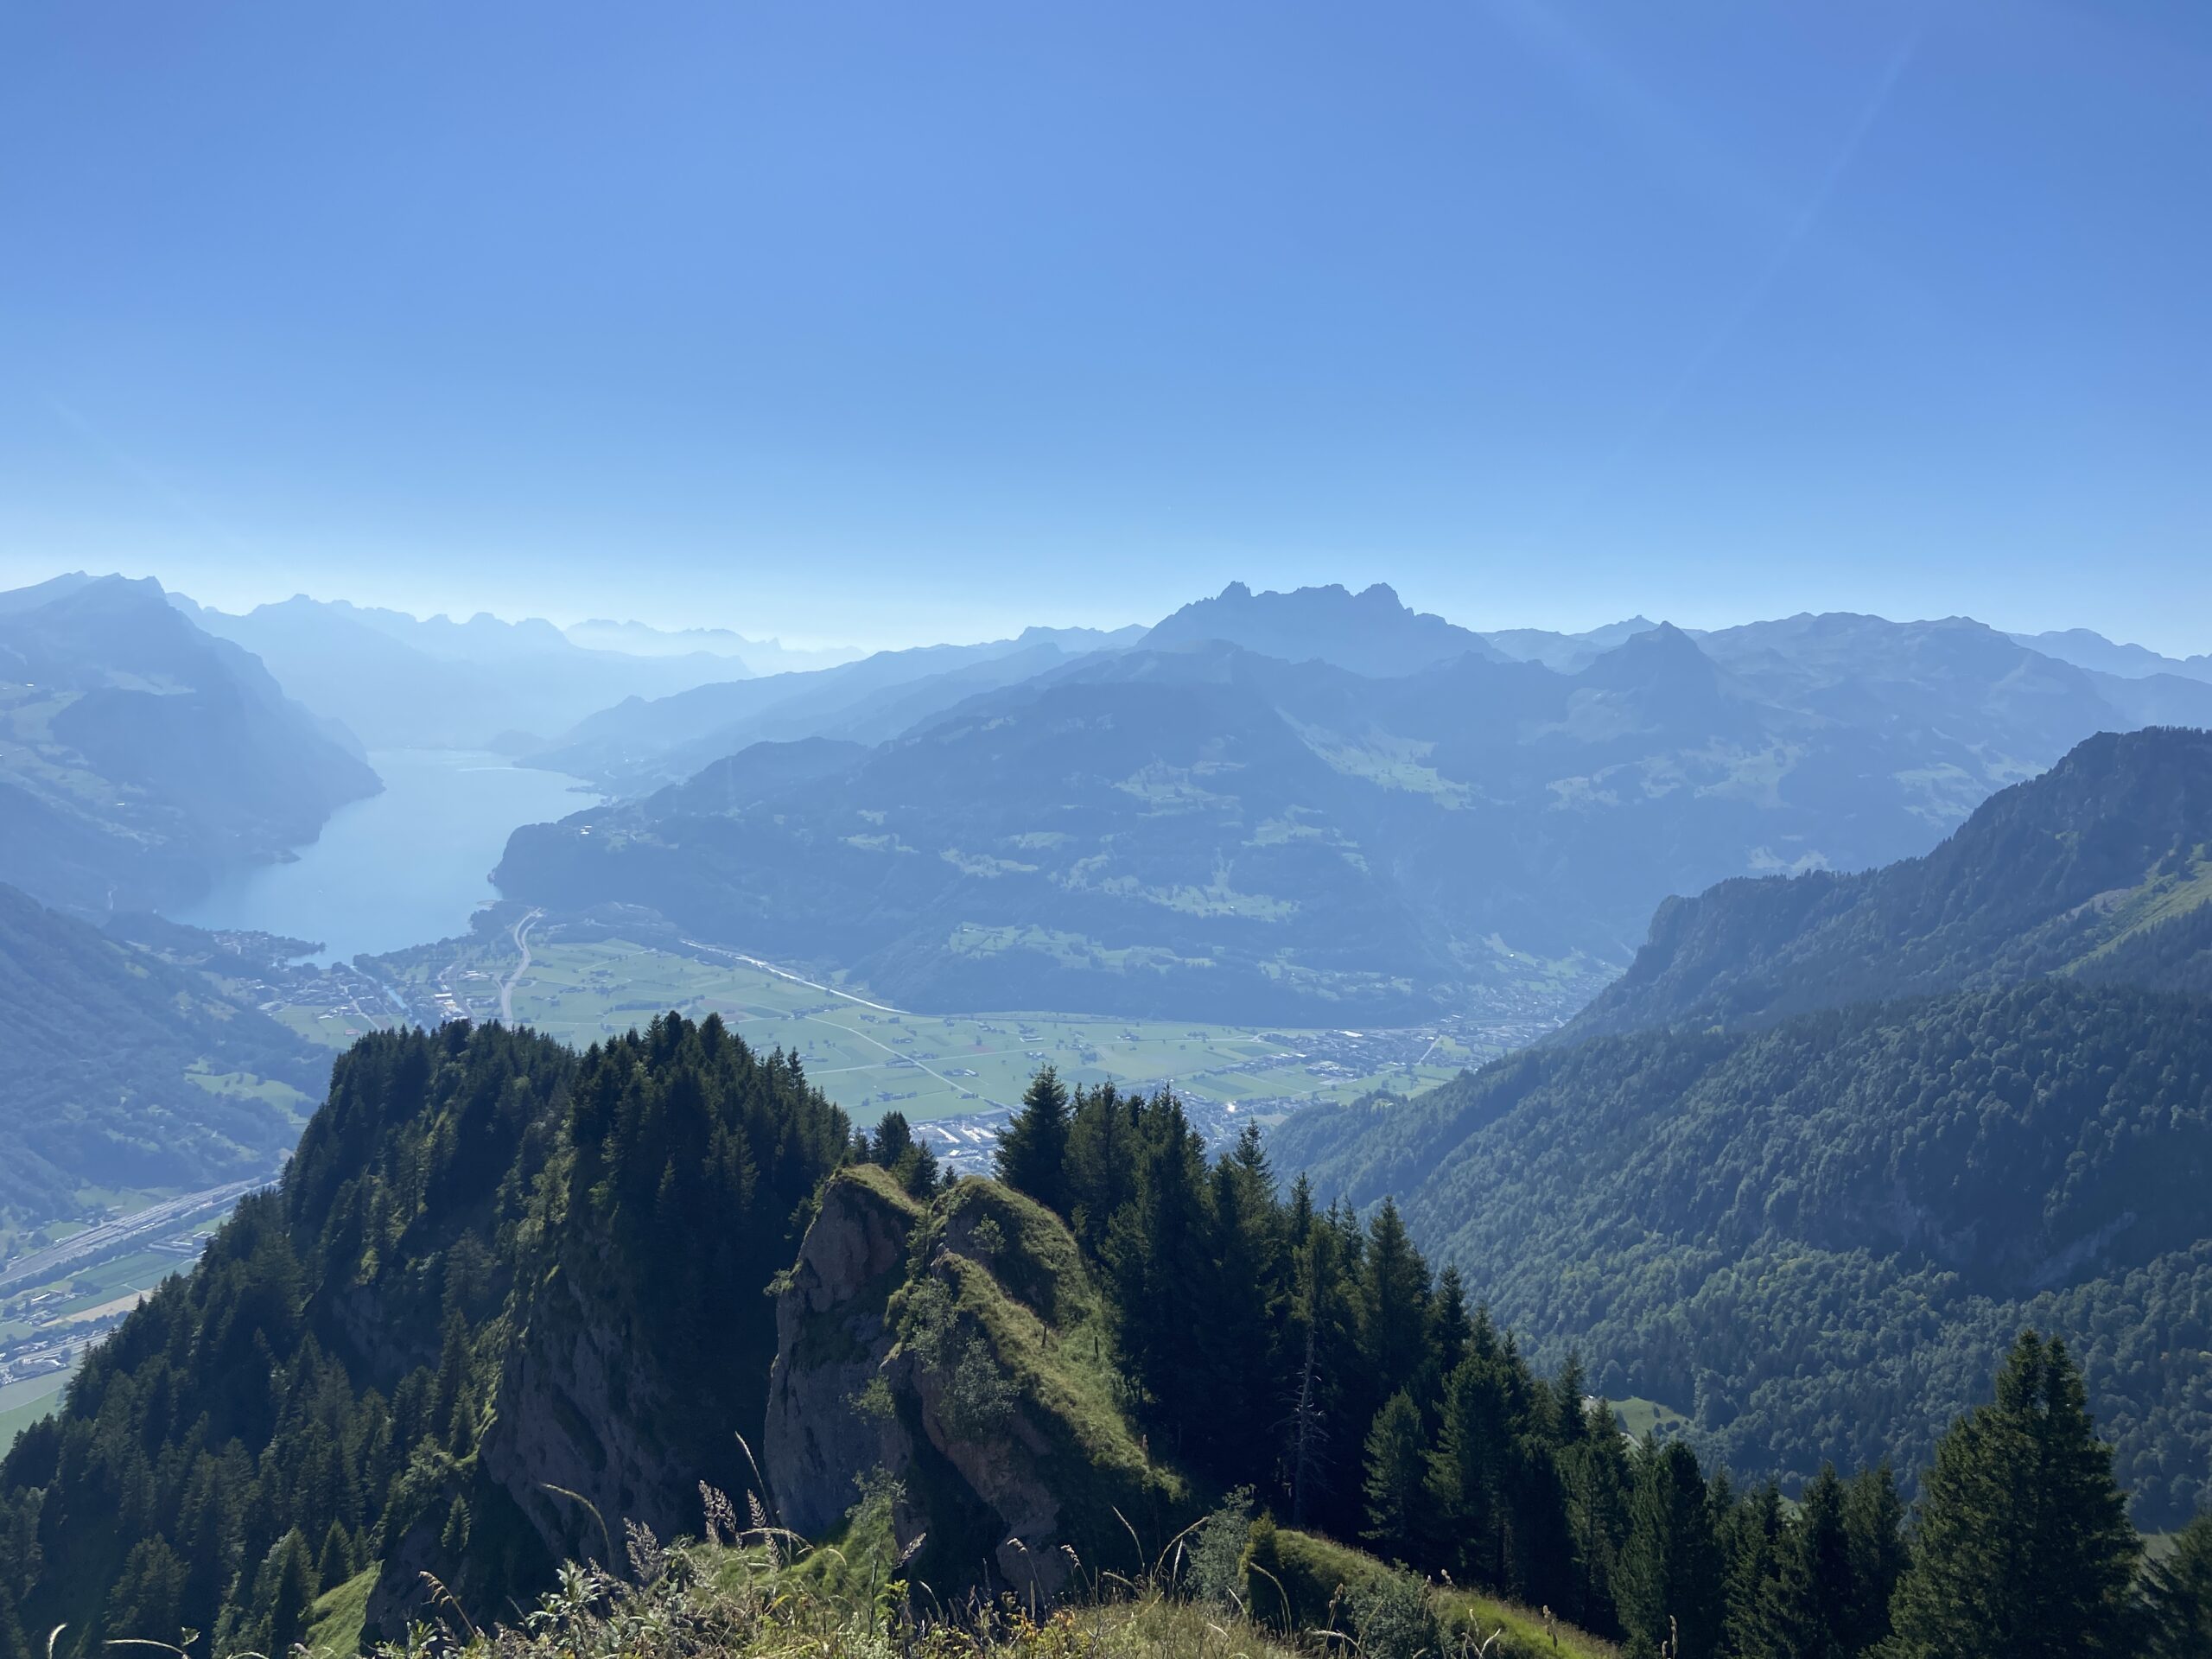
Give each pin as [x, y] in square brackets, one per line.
[870, 1058]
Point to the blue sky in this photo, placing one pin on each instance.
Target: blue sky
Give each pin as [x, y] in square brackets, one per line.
[890, 323]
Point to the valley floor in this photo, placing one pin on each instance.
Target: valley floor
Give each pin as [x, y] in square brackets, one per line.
[50, 1315]
[871, 1058]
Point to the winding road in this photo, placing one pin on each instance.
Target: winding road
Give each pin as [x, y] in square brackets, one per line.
[507, 985]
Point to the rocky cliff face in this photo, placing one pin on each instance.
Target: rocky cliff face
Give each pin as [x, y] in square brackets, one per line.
[953, 1355]
[959, 1352]
[833, 1339]
[578, 1408]
[573, 1443]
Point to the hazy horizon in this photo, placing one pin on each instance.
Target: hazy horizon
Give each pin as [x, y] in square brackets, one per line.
[15, 575]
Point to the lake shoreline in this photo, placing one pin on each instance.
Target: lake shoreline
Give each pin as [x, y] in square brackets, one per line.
[406, 866]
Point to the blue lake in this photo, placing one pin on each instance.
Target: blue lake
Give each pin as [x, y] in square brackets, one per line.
[409, 866]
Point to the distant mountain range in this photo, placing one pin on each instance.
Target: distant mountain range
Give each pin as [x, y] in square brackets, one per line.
[2087, 650]
[1567, 651]
[399, 682]
[1833, 1141]
[1320, 804]
[1189, 826]
[139, 755]
[642, 744]
[758, 656]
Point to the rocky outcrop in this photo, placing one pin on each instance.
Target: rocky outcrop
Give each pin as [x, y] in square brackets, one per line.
[961, 1351]
[825, 1432]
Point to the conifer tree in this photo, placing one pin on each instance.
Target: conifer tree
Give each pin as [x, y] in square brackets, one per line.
[1449, 1328]
[1394, 1302]
[1543, 1564]
[1598, 1476]
[453, 1541]
[2023, 1549]
[910, 1163]
[1817, 1583]
[1320, 1331]
[1033, 1152]
[14, 1644]
[147, 1602]
[1873, 1521]
[335, 1564]
[1467, 1474]
[2177, 1597]
[1156, 1252]
[283, 1594]
[1235, 1305]
[1754, 1541]
[1670, 1574]
[1102, 1160]
[1569, 1407]
[448, 1413]
[1395, 1467]
[1805, 1610]
[893, 1140]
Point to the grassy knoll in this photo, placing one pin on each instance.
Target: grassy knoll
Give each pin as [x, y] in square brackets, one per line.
[340, 1614]
[1638, 1418]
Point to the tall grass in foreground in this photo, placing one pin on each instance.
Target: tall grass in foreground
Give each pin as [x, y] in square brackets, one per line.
[762, 1593]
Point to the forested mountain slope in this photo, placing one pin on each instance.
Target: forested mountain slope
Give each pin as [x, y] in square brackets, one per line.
[2100, 863]
[122, 1071]
[1814, 1238]
[138, 755]
[1794, 1211]
[500, 1283]
[1208, 831]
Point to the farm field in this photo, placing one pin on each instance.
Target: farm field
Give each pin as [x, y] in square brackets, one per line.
[23, 1403]
[871, 1058]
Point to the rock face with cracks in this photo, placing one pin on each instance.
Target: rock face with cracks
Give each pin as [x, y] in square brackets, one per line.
[958, 1351]
[833, 1338]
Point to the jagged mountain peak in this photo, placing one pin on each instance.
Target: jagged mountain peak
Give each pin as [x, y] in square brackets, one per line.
[1372, 633]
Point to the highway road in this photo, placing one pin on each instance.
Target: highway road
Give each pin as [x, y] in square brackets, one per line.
[111, 1237]
[507, 987]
